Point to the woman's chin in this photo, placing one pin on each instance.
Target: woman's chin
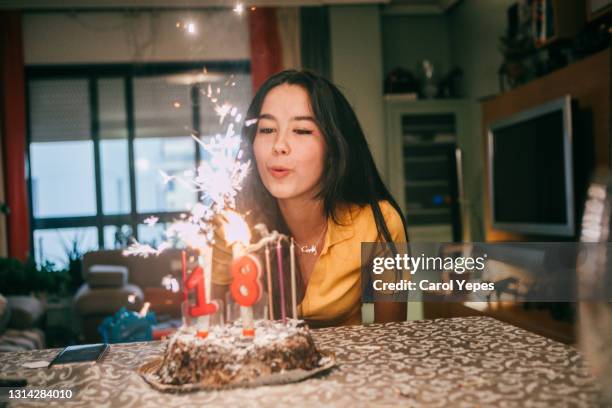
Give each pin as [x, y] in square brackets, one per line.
[282, 194]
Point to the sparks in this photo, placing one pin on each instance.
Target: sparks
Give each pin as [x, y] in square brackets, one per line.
[250, 122]
[223, 111]
[216, 180]
[151, 221]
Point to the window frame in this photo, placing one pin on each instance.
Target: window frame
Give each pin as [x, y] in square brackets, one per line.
[128, 72]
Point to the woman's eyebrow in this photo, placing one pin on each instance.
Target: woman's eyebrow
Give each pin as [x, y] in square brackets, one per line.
[310, 118]
[267, 116]
[271, 117]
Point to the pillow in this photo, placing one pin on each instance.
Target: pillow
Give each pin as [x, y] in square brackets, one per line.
[26, 311]
[5, 314]
[113, 276]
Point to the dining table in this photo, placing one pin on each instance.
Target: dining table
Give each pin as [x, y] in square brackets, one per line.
[450, 362]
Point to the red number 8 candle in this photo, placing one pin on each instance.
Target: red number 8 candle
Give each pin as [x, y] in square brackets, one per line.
[246, 289]
[245, 269]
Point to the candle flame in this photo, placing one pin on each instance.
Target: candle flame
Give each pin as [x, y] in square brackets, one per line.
[236, 229]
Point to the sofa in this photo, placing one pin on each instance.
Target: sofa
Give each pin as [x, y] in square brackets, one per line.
[113, 280]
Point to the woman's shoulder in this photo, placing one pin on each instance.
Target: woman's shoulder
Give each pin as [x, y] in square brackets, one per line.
[388, 211]
[362, 215]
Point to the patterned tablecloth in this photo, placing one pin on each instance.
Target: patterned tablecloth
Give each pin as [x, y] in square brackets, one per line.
[473, 361]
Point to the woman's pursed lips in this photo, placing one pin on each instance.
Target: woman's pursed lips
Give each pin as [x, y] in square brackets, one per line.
[278, 171]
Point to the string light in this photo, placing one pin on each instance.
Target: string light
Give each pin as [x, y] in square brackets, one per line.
[191, 28]
[239, 9]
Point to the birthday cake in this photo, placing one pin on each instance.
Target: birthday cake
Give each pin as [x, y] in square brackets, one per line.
[226, 357]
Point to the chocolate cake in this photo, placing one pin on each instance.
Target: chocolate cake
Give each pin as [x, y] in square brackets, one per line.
[226, 357]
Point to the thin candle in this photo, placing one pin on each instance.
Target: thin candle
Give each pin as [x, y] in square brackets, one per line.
[269, 279]
[205, 260]
[281, 280]
[293, 284]
[184, 271]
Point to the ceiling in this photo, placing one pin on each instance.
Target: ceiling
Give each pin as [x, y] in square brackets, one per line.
[391, 7]
[412, 7]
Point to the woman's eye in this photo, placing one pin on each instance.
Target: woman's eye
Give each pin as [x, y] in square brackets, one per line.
[265, 130]
[303, 131]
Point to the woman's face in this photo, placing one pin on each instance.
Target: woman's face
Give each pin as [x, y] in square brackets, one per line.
[289, 147]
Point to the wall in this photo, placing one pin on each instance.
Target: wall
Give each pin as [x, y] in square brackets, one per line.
[474, 30]
[115, 37]
[356, 66]
[466, 36]
[408, 40]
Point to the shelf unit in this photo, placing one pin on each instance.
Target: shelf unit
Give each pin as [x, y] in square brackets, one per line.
[422, 140]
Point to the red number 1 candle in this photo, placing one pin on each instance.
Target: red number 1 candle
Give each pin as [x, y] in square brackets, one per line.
[195, 282]
[203, 308]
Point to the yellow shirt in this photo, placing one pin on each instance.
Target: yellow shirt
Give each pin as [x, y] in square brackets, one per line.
[333, 294]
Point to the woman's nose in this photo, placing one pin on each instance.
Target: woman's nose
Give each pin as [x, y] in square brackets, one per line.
[280, 145]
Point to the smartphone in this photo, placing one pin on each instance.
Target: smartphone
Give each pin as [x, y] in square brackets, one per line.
[88, 353]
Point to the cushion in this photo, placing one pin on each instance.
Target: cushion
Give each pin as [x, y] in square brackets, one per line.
[106, 301]
[5, 314]
[18, 340]
[143, 272]
[26, 311]
[113, 276]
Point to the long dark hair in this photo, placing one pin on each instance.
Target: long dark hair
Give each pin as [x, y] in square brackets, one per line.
[350, 175]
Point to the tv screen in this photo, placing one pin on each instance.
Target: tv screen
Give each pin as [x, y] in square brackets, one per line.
[530, 170]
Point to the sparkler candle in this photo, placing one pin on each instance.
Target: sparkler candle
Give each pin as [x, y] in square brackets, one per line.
[281, 279]
[246, 271]
[205, 261]
[293, 284]
[269, 279]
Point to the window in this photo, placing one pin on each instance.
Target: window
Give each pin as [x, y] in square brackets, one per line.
[55, 245]
[99, 138]
[114, 155]
[60, 128]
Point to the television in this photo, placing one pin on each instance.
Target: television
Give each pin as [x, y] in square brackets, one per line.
[531, 181]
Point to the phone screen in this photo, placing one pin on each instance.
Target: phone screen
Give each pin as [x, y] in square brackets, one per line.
[81, 354]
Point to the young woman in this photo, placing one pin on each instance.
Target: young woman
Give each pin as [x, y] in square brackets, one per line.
[314, 179]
